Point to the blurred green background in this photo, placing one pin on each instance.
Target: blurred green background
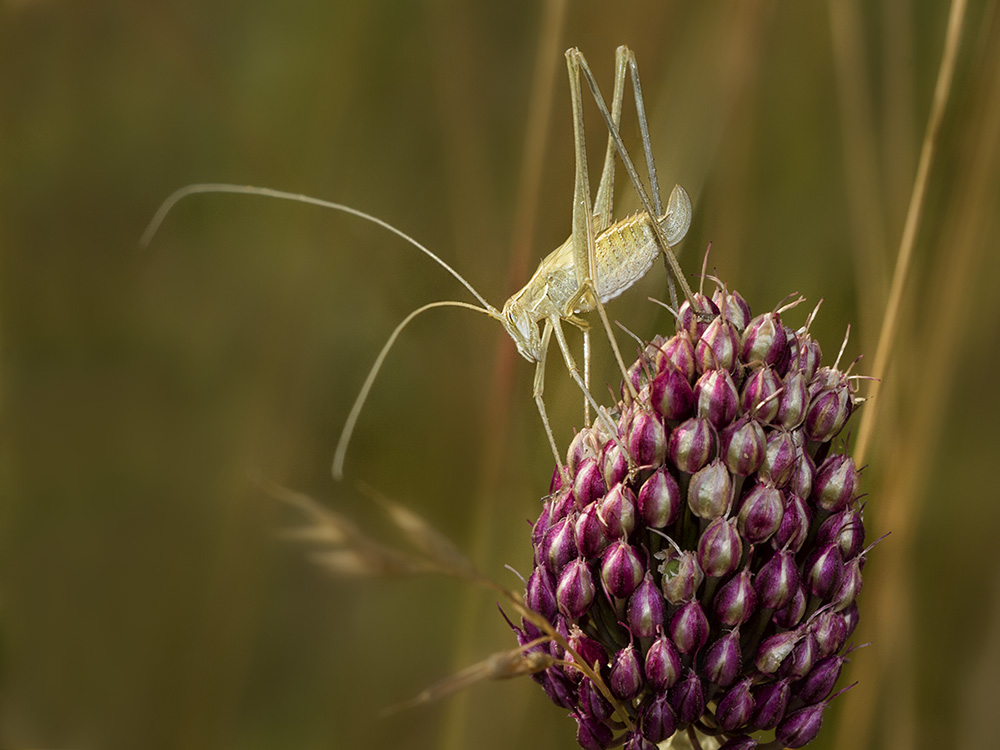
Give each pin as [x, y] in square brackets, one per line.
[145, 599]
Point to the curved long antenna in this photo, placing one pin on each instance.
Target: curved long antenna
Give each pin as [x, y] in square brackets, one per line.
[220, 187]
[359, 402]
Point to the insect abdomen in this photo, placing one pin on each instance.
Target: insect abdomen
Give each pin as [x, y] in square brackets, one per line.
[623, 253]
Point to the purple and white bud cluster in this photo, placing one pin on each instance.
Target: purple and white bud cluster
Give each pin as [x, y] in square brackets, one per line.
[705, 563]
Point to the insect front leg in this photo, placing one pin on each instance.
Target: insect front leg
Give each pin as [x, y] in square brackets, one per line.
[537, 391]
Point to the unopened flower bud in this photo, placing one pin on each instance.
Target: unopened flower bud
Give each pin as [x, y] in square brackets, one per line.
[801, 660]
[576, 590]
[647, 439]
[626, 674]
[718, 346]
[743, 446]
[850, 586]
[846, 529]
[791, 614]
[761, 513]
[621, 569]
[588, 484]
[828, 412]
[720, 548]
[800, 727]
[818, 684]
[614, 464]
[793, 400]
[710, 491]
[807, 355]
[716, 397]
[736, 706]
[663, 664]
[775, 649]
[802, 476]
[590, 651]
[689, 628]
[589, 534]
[824, 571]
[671, 394]
[836, 483]
[777, 580]
[646, 609]
[558, 546]
[541, 593]
[679, 352]
[692, 319]
[732, 307]
[687, 698]
[830, 631]
[780, 458]
[591, 733]
[617, 512]
[658, 720]
[681, 576]
[764, 341]
[758, 397]
[795, 521]
[659, 500]
[558, 687]
[724, 659]
[691, 444]
[770, 701]
[736, 600]
[592, 701]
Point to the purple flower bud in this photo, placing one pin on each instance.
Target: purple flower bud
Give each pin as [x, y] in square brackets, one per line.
[671, 394]
[647, 439]
[820, 681]
[720, 548]
[758, 398]
[846, 529]
[659, 499]
[691, 444]
[576, 590]
[764, 341]
[802, 476]
[663, 664]
[770, 700]
[736, 706]
[718, 346]
[588, 484]
[621, 569]
[681, 575]
[850, 586]
[577, 451]
[828, 412]
[689, 628]
[710, 491]
[716, 397]
[559, 688]
[541, 593]
[791, 614]
[691, 320]
[780, 458]
[592, 734]
[591, 652]
[626, 674]
[658, 720]
[777, 580]
[794, 528]
[775, 649]
[614, 464]
[801, 727]
[617, 512]
[851, 618]
[540, 527]
[836, 483]
[558, 546]
[824, 571]
[830, 631]
[807, 355]
[761, 513]
[732, 307]
[588, 533]
[592, 702]
[741, 742]
[646, 609]
[687, 698]
[678, 351]
[635, 741]
[801, 660]
[736, 601]
[724, 659]
[743, 446]
[793, 400]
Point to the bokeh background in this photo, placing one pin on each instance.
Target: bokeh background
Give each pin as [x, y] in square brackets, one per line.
[146, 600]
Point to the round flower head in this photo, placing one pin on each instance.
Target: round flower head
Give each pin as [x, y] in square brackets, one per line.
[705, 563]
